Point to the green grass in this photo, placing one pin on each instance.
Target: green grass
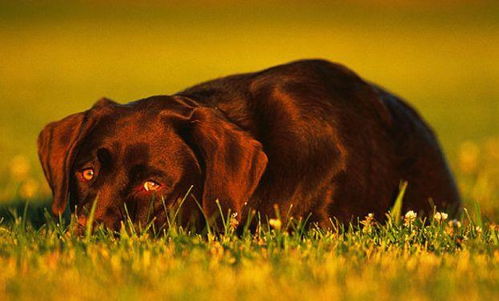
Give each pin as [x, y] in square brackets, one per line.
[443, 260]
[58, 57]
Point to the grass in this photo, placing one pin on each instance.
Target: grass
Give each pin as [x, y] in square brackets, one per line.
[411, 259]
[58, 57]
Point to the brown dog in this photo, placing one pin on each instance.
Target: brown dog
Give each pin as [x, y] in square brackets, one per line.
[309, 136]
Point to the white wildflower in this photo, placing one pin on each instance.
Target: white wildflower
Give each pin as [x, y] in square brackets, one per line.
[410, 217]
[440, 216]
[455, 223]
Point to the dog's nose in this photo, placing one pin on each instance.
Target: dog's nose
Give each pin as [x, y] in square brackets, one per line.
[82, 221]
[80, 226]
[111, 220]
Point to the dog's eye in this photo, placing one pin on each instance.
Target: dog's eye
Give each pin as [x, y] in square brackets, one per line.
[151, 185]
[88, 174]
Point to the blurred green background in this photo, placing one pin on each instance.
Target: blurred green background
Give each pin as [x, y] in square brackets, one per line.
[58, 57]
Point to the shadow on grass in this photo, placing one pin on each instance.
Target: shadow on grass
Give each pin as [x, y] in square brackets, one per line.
[34, 212]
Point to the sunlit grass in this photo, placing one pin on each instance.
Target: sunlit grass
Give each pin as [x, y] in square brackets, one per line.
[408, 259]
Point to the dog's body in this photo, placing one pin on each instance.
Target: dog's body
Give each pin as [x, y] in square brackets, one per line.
[310, 137]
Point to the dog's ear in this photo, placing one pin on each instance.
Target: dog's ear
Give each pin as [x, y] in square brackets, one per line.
[234, 161]
[57, 145]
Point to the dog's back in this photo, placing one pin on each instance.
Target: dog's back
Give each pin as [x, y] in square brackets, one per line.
[337, 145]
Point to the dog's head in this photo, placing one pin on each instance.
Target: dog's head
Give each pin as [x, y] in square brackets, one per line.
[145, 155]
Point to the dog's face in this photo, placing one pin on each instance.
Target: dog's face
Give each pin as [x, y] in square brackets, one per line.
[133, 160]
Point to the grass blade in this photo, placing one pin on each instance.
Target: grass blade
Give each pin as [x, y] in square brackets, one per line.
[396, 210]
[90, 220]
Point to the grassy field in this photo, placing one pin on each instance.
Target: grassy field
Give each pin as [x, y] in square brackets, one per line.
[396, 261]
[58, 57]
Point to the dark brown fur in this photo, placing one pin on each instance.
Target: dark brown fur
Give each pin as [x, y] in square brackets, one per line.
[310, 136]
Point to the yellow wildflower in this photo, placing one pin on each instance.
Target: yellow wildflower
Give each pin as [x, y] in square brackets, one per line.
[468, 157]
[28, 189]
[275, 223]
[233, 222]
[368, 222]
[19, 167]
[493, 227]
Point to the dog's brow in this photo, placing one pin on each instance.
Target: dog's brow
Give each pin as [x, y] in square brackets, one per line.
[138, 152]
[116, 146]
